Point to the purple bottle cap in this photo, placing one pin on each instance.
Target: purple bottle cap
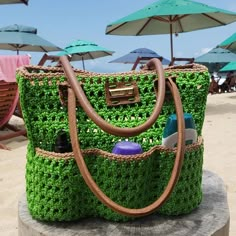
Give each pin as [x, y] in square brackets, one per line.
[127, 148]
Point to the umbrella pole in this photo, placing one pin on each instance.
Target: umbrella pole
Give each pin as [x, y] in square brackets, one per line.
[83, 63]
[171, 42]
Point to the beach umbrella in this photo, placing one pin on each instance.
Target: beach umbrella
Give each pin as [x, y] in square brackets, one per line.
[229, 43]
[139, 56]
[24, 38]
[216, 58]
[231, 66]
[171, 17]
[14, 1]
[217, 55]
[81, 50]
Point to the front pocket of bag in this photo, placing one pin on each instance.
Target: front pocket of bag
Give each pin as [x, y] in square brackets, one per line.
[57, 192]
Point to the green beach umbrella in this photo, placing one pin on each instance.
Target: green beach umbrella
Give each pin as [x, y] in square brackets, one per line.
[171, 17]
[81, 50]
[231, 66]
[229, 43]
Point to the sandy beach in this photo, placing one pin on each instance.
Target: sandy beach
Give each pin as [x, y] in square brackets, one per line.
[219, 137]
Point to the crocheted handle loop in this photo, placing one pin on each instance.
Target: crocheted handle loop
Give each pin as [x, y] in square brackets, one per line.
[92, 184]
[104, 125]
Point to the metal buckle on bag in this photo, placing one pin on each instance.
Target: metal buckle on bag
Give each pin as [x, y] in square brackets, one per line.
[121, 93]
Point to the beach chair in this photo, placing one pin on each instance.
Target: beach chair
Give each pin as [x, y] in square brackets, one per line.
[9, 97]
[188, 60]
[139, 59]
[46, 57]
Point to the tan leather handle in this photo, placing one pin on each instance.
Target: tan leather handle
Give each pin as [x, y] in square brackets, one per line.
[94, 187]
[104, 125]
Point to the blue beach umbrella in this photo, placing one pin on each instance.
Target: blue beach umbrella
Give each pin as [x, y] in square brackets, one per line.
[139, 56]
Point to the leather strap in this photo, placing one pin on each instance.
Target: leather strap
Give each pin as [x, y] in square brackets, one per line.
[95, 188]
[103, 124]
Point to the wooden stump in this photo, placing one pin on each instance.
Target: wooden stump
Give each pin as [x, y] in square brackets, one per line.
[210, 219]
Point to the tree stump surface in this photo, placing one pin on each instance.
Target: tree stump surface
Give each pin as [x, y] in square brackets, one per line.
[211, 218]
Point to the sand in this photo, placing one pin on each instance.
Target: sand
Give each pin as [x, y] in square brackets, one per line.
[219, 132]
[220, 157]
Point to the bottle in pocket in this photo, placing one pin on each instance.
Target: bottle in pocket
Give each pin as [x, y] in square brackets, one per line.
[170, 134]
[62, 144]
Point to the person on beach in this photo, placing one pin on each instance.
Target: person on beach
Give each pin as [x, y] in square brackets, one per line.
[214, 88]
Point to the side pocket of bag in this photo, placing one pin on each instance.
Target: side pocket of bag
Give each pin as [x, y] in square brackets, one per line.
[54, 187]
[187, 194]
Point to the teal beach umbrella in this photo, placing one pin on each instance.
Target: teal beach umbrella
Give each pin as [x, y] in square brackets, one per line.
[229, 43]
[81, 50]
[216, 58]
[24, 38]
[171, 17]
[231, 66]
[216, 55]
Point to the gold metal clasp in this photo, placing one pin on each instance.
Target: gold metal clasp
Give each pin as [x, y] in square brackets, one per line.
[121, 93]
[129, 91]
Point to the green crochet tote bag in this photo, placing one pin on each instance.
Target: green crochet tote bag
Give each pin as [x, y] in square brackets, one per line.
[96, 111]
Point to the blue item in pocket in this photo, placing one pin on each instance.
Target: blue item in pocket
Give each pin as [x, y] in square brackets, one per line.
[127, 148]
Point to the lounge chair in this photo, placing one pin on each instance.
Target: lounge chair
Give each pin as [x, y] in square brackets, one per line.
[188, 60]
[139, 59]
[9, 97]
[46, 57]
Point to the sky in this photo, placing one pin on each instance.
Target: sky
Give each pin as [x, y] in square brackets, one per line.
[62, 22]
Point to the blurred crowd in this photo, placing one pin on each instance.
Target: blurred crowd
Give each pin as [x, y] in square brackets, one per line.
[222, 85]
